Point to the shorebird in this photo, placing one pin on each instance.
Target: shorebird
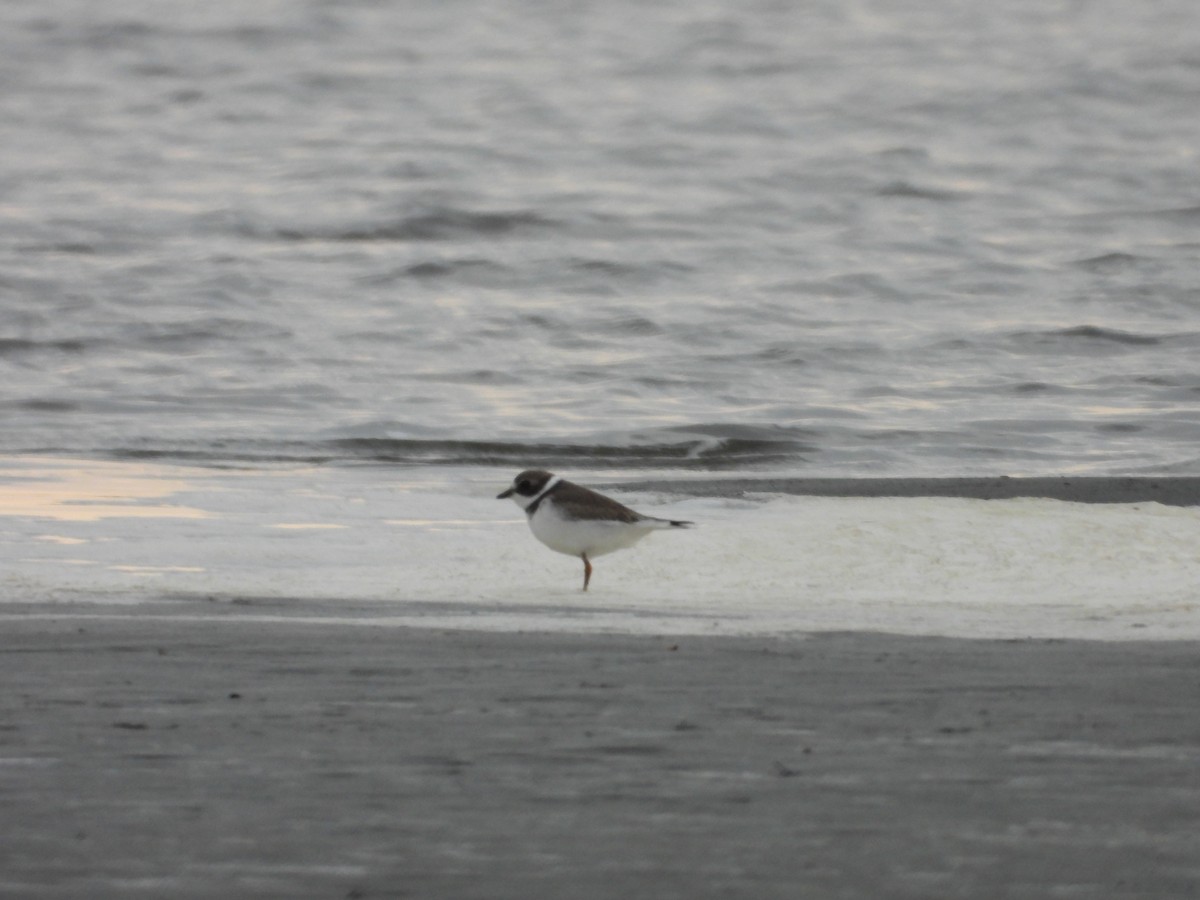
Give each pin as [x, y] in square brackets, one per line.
[579, 522]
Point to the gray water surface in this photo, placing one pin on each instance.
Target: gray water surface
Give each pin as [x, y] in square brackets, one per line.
[852, 238]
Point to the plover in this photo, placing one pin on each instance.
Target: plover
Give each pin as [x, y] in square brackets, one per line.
[579, 522]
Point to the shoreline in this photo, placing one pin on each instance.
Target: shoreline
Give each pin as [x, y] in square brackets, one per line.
[1180, 490]
[144, 756]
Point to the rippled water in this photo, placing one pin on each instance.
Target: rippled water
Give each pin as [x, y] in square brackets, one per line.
[910, 237]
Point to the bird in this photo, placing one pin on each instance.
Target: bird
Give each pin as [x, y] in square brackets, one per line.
[577, 521]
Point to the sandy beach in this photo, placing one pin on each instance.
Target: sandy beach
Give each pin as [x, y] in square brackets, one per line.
[184, 752]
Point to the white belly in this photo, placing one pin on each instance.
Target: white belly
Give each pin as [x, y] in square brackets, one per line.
[574, 536]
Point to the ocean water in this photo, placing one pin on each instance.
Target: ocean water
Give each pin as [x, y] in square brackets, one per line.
[912, 238]
[290, 289]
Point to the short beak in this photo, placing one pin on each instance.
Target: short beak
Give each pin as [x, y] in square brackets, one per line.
[506, 494]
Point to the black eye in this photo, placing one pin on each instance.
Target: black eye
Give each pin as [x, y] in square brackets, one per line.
[523, 484]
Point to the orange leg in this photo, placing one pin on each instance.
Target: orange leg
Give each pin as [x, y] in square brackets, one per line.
[587, 570]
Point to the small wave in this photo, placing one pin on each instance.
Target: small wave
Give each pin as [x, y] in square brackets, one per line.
[632, 326]
[1109, 262]
[110, 34]
[447, 268]
[190, 336]
[489, 377]
[50, 405]
[715, 447]
[1032, 387]
[694, 451]
[638, 272]
[786, 354]
[1083, 335]
[150, 336]
[22, 346]
[915, 192]
[473, 271]
[1185, 213]
[437, 225]
[78, 248]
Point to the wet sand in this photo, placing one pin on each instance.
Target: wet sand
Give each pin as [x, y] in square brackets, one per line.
[145, 754]
[1172, 490]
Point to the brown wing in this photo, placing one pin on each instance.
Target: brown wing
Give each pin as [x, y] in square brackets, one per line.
[582, 503]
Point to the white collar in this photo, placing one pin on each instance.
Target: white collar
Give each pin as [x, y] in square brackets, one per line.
[550, 485]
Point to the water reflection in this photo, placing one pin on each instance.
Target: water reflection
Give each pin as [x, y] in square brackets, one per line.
[68, 490]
